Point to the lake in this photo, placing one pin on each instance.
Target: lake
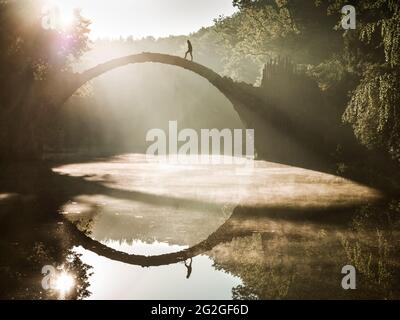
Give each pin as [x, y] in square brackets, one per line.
[134, 227]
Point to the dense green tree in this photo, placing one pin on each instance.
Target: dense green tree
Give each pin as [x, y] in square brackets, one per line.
[31, 52]
[298, 29]
[373, 107]
[357, 69]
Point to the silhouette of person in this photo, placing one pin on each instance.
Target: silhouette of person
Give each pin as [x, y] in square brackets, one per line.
[189, 51]
[189, 268]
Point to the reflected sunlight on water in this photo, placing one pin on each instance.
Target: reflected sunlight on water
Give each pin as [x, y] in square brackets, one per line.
[267, 183]
[116, 280]
[133, 228]
[147, 208]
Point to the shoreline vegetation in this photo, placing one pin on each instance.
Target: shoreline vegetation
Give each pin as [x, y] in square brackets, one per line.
[346, 91]
[334, 96]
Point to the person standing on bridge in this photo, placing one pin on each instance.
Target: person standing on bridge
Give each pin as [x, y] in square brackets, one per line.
[189, 51]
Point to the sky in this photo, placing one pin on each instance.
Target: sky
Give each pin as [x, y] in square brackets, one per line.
[141, 18]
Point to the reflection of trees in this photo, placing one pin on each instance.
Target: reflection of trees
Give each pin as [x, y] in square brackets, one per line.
[70, 263]
[32, 235]
[277, 252]
[177, 225]
[81, 272]
[265, 270]
[267, 273]
[372, 248]
[280, 256]
[21, 263]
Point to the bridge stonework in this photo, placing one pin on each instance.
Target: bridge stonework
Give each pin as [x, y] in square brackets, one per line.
[281, 133]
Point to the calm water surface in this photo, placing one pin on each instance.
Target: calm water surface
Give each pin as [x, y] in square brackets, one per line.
[127, 227]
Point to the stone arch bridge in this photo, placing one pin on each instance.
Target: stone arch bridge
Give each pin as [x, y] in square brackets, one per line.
[277, 136]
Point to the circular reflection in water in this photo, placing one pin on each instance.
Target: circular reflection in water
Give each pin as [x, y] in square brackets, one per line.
[147, 208]
[150, 201]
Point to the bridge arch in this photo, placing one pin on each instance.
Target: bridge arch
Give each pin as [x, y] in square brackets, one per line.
[302, 146]
[69, 86]
[225, 233]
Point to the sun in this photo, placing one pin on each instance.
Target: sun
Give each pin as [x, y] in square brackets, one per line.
[61, 12]
[66, 19]
[64, 283]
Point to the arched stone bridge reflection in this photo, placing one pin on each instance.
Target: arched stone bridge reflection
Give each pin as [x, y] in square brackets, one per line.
[223, 234]
[242, 222]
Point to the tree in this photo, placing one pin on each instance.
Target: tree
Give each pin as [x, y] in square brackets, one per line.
[31, 53]
[373, 107]
[298, 29]
[357, 69]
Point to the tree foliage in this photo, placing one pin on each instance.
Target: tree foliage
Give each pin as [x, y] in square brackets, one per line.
[373, 107]
[30, 53]
[362, 65]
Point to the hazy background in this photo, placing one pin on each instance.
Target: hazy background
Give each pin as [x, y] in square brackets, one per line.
[115, 111]
[158, 18]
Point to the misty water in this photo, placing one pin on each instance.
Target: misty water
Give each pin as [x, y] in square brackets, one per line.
[130, 227]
